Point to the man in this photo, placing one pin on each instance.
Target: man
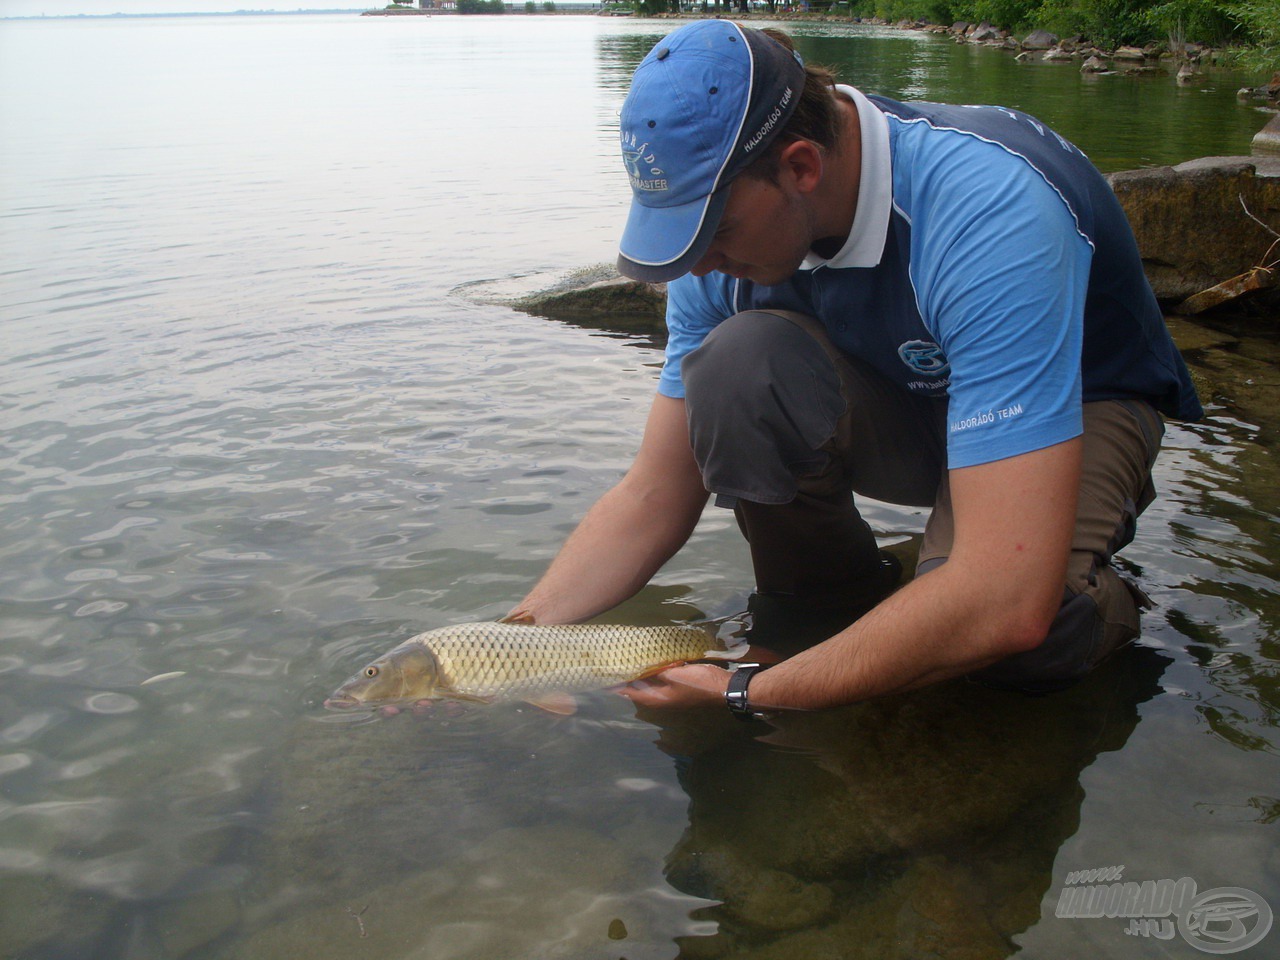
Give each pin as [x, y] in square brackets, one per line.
[930, 305]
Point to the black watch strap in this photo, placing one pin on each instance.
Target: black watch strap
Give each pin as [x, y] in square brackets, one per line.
[736, 695]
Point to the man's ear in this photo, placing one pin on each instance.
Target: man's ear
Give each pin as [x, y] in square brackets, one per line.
[801, 162]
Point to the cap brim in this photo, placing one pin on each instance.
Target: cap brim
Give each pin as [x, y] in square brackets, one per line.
[662, 243]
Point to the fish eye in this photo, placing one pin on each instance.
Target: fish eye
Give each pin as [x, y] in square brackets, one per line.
[370, 672]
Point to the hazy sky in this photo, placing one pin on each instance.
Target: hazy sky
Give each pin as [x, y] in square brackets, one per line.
[35, 8]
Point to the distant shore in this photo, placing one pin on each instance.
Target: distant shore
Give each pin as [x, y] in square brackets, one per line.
[185, 14]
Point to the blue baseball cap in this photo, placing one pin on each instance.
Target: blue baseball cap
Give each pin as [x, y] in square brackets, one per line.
[703, 104]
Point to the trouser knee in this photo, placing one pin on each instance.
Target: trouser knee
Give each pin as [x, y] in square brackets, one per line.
[763, 400]
[1092, 623]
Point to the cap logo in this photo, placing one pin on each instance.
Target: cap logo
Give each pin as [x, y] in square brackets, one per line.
[774, 116]
[640, 166]
[703, 104]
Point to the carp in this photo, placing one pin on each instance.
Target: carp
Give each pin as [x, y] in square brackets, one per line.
[543, 665]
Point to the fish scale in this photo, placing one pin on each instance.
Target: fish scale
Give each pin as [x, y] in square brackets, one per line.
[506, 660]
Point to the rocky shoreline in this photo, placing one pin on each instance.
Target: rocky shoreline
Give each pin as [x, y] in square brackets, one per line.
[1041, 45]
[1185, 59]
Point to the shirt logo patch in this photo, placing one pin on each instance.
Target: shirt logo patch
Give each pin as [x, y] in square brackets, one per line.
[925, 358]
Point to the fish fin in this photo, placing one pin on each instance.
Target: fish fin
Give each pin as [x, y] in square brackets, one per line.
[654, 671]
[745, 654]
[519, 616]
[738, 654]
[466, 697]
[561, 704]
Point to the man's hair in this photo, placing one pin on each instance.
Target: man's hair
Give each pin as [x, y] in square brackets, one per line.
[817, 116]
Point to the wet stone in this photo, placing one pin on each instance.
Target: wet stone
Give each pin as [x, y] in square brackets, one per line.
[766, 899]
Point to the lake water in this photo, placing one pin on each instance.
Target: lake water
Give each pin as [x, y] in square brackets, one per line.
[255, 431]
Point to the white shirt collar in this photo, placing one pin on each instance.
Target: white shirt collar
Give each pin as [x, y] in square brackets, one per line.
[865, 244]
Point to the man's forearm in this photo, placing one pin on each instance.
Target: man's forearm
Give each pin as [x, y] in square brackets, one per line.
[939, 626]
[934, 628]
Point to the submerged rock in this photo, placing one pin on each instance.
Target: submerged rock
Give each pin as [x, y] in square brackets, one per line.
[927, 824]
[599, 295]
[767, 899]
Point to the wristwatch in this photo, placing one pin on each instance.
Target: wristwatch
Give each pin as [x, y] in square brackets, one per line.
[736, 696]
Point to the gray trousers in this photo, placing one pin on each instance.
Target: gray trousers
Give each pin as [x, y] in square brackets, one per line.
[786, 429]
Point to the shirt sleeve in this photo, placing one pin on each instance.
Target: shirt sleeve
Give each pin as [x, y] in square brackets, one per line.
[1001, 272]
[695, 306]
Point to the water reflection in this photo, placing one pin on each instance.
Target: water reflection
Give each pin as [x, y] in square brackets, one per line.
[1163, 122]
[618, 55]
[916, 825]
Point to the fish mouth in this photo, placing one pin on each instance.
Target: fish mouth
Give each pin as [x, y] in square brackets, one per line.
[337, 702]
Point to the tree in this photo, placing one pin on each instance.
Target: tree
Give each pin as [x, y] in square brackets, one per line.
[1261, 21]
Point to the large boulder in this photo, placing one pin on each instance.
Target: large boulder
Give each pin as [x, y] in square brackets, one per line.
[1197, 223]
[1039, 40]
[983, 32]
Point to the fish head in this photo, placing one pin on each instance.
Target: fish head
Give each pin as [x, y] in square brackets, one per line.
[409, 672]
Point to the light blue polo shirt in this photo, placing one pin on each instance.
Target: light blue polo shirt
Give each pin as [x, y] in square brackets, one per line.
[988, 262]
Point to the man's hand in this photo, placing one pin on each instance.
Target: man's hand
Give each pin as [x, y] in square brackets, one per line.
[688, 685]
